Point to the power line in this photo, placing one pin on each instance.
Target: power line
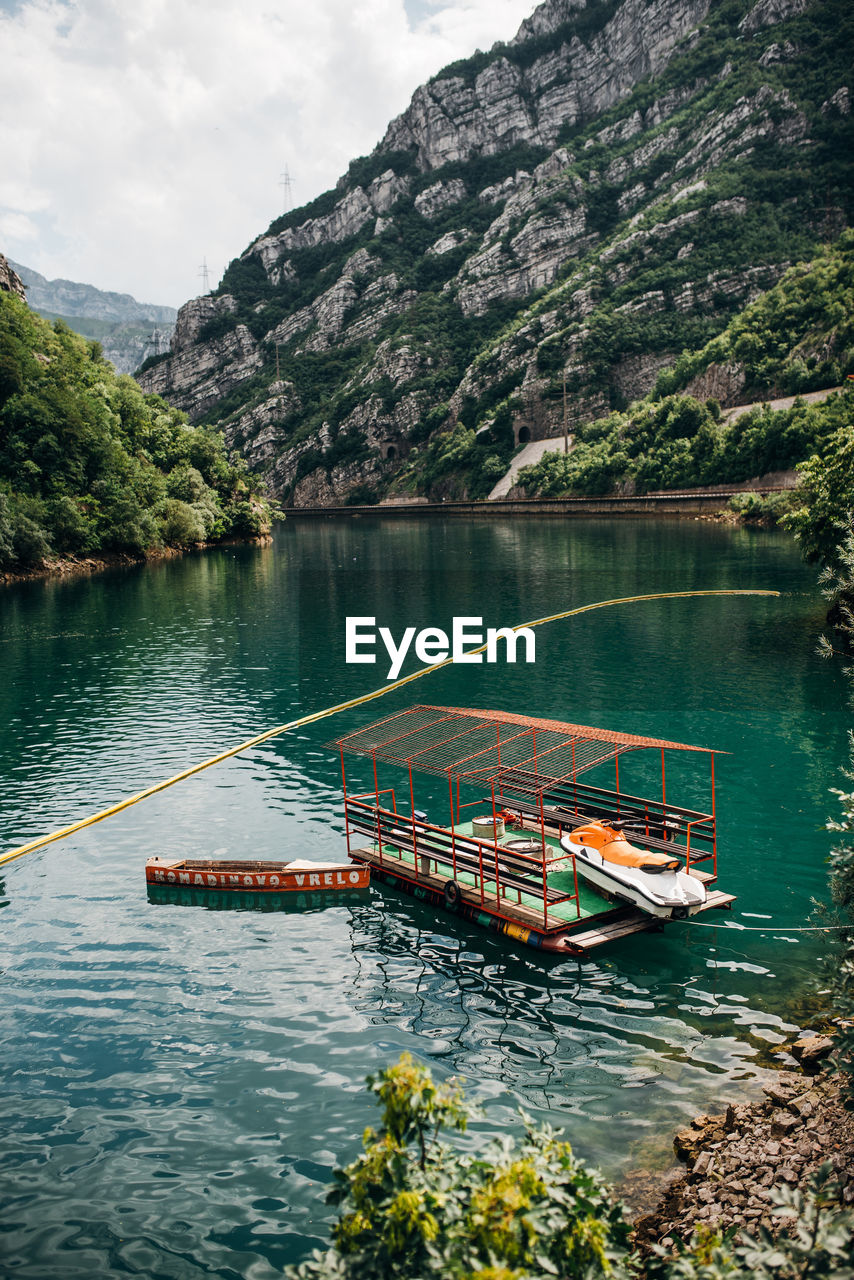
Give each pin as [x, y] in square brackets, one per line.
[205, 276]
[285, 184]
[154, 342]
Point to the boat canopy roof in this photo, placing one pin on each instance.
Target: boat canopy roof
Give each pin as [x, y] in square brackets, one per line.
[492, 745]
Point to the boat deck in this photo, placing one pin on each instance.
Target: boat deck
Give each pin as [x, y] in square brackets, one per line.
[591, 922]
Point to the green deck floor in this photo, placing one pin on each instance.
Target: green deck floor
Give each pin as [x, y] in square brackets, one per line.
[591, 902]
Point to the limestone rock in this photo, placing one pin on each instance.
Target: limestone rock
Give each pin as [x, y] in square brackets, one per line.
[721, 382]
[10, 281]
[450, 120]
[811, 1049]
[386, 190]
[194, 315]
[328, 313]
[399, 364]
[546, 18]
[767, 13]
[839, 102]
[198, 377]
[349, 215]
[528, 260]
[258, 431]
[450, 240]
[436, 198]
[777, 53]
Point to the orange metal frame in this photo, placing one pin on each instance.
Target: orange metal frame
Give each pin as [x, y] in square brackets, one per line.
[694, 825]
[374, 813]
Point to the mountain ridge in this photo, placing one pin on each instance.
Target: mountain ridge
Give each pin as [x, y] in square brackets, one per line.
[118, 321]
[406, 330]
[74, 298]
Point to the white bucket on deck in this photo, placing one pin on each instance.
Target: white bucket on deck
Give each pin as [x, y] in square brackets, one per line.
[487, 829]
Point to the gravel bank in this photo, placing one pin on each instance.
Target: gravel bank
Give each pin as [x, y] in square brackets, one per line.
[736, 1159]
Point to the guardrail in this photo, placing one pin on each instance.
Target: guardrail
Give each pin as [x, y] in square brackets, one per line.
[434, 848]
[674, 503]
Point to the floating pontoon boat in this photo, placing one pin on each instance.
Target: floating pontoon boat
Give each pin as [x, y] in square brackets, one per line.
[507, 868]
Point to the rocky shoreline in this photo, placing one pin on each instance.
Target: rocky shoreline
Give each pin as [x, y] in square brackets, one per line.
[75, 566]
[736, 1159]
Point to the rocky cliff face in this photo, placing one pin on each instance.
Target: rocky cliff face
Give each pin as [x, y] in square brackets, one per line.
[10, 281]
[456, 117]
[571, 209]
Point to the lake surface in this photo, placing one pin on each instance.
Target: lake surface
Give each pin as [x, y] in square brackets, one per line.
[179, 1082]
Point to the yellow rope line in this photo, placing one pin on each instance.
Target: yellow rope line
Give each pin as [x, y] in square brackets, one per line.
[341, 706]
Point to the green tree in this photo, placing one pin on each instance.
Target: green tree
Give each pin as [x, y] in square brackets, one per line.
[88, 463]
[826, 515]
[412, 1205]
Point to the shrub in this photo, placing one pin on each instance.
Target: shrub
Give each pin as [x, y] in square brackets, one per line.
[827, 491]
[30, 542]
[412, 1205]
[72, 527]
[244, 520]
[181, 524]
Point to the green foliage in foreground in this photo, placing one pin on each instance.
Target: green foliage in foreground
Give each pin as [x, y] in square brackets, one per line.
[838, 585]
[414, 1207]
[824, 516]
[88, 463]
[812, 1238]
[842, 969]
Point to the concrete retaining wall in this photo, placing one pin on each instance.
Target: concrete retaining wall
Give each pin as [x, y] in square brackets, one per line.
[675, 504]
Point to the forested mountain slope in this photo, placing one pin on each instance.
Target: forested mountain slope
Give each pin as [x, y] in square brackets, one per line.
[89, 464]
[583, 203]
[797, 337]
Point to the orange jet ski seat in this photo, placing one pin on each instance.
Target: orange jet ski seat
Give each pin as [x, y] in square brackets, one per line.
[614, 847]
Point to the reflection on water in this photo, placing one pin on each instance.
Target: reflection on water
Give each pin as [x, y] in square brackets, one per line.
[180, 1083]
[219, 900]
[562, 1035]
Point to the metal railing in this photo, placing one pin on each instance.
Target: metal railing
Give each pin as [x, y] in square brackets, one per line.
[436, 849]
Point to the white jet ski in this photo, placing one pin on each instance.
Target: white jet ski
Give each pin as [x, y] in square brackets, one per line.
[651, 881]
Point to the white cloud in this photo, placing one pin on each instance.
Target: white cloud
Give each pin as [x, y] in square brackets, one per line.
[139, 138]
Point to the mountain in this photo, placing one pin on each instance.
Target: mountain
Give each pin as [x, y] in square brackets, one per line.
[124, 327]
[88, 464]
[795, 339]
[574, 207]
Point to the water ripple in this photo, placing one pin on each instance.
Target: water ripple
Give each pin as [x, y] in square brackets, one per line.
[181, 1079]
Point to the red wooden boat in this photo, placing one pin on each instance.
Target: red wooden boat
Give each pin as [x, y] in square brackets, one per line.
[258, 877]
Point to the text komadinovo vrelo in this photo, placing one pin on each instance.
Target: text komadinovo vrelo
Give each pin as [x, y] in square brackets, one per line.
[433, 645]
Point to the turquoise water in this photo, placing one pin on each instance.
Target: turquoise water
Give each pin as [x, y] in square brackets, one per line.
[180, 1081]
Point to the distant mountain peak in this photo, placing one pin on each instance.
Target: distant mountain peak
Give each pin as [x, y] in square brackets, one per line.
[546, 19]
[72, 298]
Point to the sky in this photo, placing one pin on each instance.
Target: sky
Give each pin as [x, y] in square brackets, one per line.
[142, 139]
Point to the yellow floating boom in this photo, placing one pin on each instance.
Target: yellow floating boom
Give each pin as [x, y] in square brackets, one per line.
[39, 843]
